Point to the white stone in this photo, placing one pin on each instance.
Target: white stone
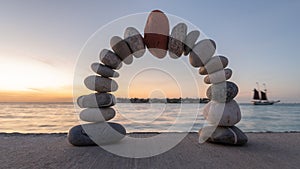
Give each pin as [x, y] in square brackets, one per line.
[92, 134]
[216, 63]
[121, 48]
[223, 135]
[135, 41]
[103, 133]
[176, 40]
[96, 100]
[190, 41]
[97, 114]
[80, 101]
[100, 84]
[222, 92]
[218, 77]
[202, 52]
[103, 70]
[110, 59]
[222, 114]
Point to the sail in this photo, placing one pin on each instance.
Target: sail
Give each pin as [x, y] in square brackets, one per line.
[256, 95]
[263, 95]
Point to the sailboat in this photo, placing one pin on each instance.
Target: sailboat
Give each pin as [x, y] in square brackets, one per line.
[262, 98]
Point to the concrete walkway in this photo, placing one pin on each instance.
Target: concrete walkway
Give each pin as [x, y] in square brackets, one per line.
[264, 150]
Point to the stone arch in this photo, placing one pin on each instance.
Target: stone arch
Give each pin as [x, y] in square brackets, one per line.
[221, 113]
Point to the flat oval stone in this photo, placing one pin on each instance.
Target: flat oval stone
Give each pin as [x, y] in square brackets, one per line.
[97, 114]
[103, 70]
[110, 59]
[202, 52]
[216, 63]
[221, 114]
[96, 134]
[222, 92]
[96, 100]
[218, 77]
[224, 135]
[135, 41]
[100, 84]
[176, 40]
[190, 41]
[156, 33]
[121, 48]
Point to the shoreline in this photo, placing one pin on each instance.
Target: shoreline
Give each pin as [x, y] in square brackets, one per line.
[52, 150]
[240, 103]
[65, 133]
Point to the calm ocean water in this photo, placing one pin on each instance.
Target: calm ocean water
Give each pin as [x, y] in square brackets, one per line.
[59, 117]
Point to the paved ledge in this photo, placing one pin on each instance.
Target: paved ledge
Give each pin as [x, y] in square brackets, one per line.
[264, 150]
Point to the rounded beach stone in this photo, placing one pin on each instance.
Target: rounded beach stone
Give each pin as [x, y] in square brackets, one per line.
[103, 70]
[222, 92]
[222, 115]
[96, 100]
[216, 63]
[176, 40]
[156, 33]
[98, 133]
[190, 41]
[135, 41]
[100, 84]
[218, 77]
[121, 48]
[110, 59]
[224, 135]
[80, 100]
[202, 52]
[97, 114]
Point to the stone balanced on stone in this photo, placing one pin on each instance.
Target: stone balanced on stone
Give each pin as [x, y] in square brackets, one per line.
[158, 41]
[97, 105]
[222, 112]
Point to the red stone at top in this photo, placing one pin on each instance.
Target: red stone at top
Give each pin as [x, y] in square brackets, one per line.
[156, 33]
[157, 10]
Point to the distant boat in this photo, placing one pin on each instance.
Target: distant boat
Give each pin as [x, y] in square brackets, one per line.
[260, 97]
[174, 100]
[137, 100]
[204, 100]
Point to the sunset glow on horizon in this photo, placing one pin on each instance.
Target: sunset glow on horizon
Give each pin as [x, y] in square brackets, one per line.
[39, 49]
[30, 80]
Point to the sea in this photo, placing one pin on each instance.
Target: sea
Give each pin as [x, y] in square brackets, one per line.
[144, 117]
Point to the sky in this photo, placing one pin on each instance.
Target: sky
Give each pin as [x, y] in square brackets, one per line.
[40, 42]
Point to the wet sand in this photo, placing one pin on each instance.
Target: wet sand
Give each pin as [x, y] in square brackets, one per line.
[264, 150]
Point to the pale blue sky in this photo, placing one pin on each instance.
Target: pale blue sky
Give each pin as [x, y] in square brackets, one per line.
[260, 38]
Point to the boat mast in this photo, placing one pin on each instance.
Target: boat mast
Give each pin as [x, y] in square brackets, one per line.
[265, 87]
[258, 90]
[264, 94]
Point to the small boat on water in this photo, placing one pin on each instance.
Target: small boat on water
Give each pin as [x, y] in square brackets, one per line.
[137, 100]
[174, 100]
[204, 100]
[260, 97]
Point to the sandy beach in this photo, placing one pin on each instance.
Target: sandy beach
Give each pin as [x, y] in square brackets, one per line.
[264, 150]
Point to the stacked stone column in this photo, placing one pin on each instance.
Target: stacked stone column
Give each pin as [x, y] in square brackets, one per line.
[97, 106]
[222, 112]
